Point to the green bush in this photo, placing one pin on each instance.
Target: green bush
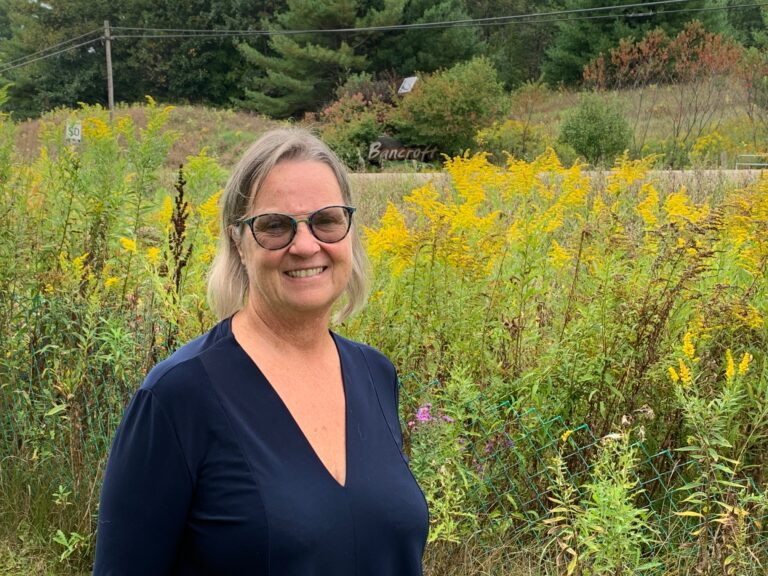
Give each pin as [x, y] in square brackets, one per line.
[606, 531]
[383, 89]
[523, 140]
[351, 123]
[447, 108]
[672, 153]
[596, 129]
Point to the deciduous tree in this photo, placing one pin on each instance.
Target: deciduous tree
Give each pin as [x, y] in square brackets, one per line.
[580, 39]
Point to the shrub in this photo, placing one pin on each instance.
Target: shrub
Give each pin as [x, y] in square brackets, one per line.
[672, 153]
[383, 89]
[697, 65]
[447, 108]
[710, 149]
[606, 531]
[522, 140]
[596, 129]
[351, 124]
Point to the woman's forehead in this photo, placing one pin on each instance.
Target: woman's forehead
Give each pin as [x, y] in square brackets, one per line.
[297, 186]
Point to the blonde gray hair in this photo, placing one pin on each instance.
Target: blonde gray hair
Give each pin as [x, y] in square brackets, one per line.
[228, 280]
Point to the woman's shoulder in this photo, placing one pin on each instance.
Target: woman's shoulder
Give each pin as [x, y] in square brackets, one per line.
[375, 359]
[178, 373]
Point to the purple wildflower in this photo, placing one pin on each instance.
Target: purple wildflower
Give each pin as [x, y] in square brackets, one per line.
[423, 415]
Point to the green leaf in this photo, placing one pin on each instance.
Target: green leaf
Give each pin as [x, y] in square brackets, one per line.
[572, 565]
[56, 409]
[689, 513]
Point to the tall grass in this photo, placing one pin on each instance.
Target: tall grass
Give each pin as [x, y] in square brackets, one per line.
[518, 303]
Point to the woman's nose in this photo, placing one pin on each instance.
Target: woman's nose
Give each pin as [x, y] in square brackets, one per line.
[304, 242]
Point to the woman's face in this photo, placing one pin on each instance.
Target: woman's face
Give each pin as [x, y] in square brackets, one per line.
[306, 277]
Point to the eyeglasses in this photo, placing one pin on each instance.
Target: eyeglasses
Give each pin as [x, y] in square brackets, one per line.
[274, 231]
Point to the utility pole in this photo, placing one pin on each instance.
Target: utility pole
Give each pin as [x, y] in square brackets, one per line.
[110, 86]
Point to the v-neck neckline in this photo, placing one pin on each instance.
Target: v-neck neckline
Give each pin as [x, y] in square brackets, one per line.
[294, 423]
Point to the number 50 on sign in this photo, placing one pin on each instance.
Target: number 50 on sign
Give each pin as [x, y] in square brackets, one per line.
[73, 133]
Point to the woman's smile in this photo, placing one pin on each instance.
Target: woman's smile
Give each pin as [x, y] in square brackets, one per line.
[306, 272]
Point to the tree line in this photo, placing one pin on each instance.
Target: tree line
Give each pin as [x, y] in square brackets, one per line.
[284, 75]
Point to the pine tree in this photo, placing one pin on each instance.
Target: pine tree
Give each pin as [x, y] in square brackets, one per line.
[299, 72]
[748, 23]
[424, 49]
[516, 48]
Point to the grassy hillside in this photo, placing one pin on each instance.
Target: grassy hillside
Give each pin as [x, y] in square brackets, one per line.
[713, 123]
[224, 133]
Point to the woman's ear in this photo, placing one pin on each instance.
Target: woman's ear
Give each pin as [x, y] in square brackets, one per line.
[234, 235]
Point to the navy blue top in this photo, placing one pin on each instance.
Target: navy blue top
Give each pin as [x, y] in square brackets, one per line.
[210, 474]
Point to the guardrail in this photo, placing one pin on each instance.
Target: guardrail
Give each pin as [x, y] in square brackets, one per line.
[753, 161]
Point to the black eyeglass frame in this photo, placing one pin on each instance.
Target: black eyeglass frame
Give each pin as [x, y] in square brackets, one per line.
[295, 224]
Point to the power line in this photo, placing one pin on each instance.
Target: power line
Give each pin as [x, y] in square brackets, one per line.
[99, 39]
[494, 21]
[11, 62]
[420, 25]
[532, 18]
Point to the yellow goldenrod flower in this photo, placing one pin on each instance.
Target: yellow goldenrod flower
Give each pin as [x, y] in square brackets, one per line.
[96, 128]
[673, 374]
[78, 263]
[744, 364]
[552, 219]
[392, 239]
[471, 176]
[626, 172]
[111, 281]
[425, 201]
[688, 348]
[209, 213]
[128, 244]
[649, 207]
[730, 369]
[750, 317]
[520, 179]
[685, 372]
[153, 254]
[166, 212]
[680, 211]
[565, 435]
[124, 124]
[558, 255]
[598, 206]
[549, 161]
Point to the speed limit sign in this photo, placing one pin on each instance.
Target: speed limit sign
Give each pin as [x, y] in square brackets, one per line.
[73, 133]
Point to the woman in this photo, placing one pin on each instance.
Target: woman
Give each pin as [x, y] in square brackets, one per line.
[269, 445]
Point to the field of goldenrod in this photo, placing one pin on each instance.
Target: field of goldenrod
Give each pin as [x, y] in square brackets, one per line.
[583, 355]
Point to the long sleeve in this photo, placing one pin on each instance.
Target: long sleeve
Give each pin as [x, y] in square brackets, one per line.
[145, 496]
